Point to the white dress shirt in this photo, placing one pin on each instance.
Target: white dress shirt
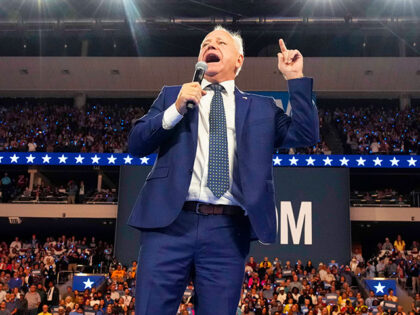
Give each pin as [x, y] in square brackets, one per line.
[198, 190]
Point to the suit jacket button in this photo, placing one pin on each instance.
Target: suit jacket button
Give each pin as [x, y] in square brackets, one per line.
[190, 170]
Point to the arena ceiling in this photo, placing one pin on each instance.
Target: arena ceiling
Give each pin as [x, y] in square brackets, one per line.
[236, 9]
[153, 27]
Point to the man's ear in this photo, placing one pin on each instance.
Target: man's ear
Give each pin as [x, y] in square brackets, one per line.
[239, 61]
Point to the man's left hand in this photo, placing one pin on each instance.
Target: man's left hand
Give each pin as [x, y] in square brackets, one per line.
[290, 62]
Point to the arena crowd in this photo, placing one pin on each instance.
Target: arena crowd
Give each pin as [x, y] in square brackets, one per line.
[57, 126]
[376, 129]
[271, 287]
[37, 125]
[28, 273]
[29, 270]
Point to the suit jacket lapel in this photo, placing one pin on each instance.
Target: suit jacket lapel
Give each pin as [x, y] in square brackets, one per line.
[241, 109]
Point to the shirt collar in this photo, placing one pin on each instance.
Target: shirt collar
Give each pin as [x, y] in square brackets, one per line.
[229, 85]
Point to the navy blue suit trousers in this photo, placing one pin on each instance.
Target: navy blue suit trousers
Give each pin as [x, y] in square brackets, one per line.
[211, 249]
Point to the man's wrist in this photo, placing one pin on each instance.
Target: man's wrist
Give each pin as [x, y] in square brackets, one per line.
[180, 110]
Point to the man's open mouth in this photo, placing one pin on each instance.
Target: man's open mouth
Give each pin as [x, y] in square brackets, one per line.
[212, 58]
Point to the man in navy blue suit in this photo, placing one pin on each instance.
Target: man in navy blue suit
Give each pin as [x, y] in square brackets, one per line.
[211, 189]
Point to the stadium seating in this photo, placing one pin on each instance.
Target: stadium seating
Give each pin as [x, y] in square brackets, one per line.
[38, 125]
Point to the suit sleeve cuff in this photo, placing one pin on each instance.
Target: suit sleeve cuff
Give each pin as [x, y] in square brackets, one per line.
[304, 83]
[171, 117]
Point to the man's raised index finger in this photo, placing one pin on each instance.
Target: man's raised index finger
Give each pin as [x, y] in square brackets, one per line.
[282, 45]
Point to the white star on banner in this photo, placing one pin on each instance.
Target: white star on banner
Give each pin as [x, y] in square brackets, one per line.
[310, 161]
[144, 160]
[394, 162]
[361, 161]
[95, 159]
[377, 161]
[14, 158]
[62, 159]
[46, 159]
[111, 159]
[1, 158]
[277, 161]
[344, 161]
[411, 162]
[293, 161]
[88, 284]
[379, 288]
[30, 158]
[127, 159]
[79, 159]
[327, 161]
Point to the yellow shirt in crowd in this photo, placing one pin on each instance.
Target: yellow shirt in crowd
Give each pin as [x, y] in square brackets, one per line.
[269, 265]
[399, 245]
[118, 274]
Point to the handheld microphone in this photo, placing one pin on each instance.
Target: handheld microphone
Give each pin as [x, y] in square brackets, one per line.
[200, 69]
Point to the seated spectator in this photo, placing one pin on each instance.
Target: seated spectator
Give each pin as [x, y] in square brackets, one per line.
[370, 270]
[119, 274]
[3, 309]
[11, 304]
[15, 281]
[391, 296]
[281, 297]
[71, 192]
[251, 263]
[380, 267]
[371, 299]
[391, 269]
[387, 245]
[399, 244]
[78, 309]
[69, 293]
[354, 264]
[254, 280]
[33, 299]
[45, 310]
[295, 284]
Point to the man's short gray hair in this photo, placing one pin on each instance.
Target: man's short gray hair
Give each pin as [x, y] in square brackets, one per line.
[237, 38]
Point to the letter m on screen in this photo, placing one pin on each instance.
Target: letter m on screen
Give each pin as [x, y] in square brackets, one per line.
[287, 219]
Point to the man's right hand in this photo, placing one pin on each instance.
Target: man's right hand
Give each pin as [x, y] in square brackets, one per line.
[189, 92]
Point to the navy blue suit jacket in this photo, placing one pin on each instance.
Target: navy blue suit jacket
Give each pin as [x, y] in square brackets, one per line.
[260, 127]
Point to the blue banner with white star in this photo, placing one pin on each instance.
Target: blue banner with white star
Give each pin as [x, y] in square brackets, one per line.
[297, 160]
[42, 158]
[351, 161]
[83, 282]
[380, 286]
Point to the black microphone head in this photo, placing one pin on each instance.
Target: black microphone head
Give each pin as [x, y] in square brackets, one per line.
[201, 65]
[200, 70]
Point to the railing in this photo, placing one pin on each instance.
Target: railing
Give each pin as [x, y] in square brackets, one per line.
[63, 274]
[380, 205]
[415, 195]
